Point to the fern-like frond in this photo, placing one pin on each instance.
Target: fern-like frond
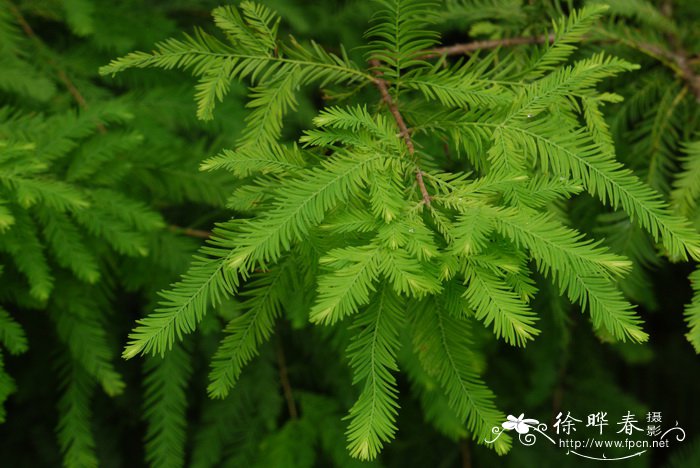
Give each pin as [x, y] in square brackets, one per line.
[165, 407]
[269, 103]
[300, 204]
[493, 302]
[353, 126]
[387, 190]
[55, 194]
[253, 54]
[68, 245]
[433, 401]
[582, 269]
[247, 332]
[11, 334]
[78, 324]
[686, 187]
[120, 220]
[372, 354]
[244, 162]
[459, 86]
[399, 37]
[579, 78]
[205, 284]
[408, 275]
[75, 434]
[349, 286]
[576, 155]
[404, 218]
[470, 233]
[567, 32]
[442, 344]
[303, 203]
[551, 243]
[255, 30]
[23, 244]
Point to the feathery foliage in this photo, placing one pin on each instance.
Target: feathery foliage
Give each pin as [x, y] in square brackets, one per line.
[529, 151]
[416, 223]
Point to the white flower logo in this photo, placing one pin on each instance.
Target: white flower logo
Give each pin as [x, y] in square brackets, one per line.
[521, 425]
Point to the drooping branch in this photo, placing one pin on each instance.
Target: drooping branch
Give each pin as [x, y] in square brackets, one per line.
[405, 132]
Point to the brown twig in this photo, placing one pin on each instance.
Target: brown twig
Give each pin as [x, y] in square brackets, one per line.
[75, 93]
[386, 97]
[405, 132]
[678, 60]
[421, 185]
[20, 19]
[284, 381]
[469, 47]
[466, 453]
[60, 72]
[198, 233]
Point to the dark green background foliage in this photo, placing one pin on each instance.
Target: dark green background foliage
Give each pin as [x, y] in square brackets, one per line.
[337, 312]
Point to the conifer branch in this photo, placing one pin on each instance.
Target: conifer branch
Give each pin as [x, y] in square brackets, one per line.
[60, 72]
[677, 60]
[403, 128]
[338, 204]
